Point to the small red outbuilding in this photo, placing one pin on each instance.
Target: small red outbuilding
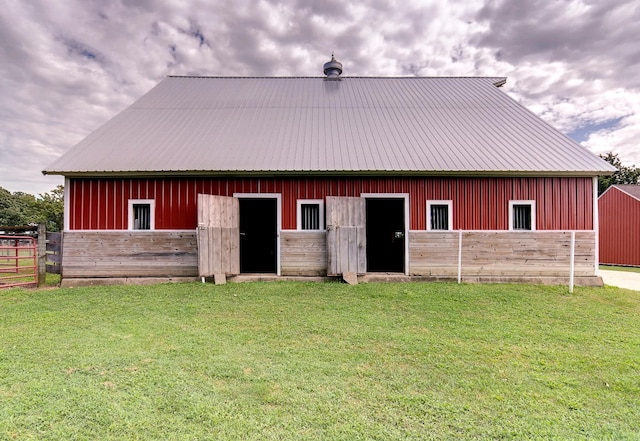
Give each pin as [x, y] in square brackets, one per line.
[619, 213]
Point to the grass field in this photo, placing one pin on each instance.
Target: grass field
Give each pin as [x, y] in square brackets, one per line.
[328, 361]
[632, 269]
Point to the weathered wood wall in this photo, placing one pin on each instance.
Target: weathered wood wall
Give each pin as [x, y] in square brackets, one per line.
[303, 253]
[54, 252]
[433, 253]
[501, 253]
[88, 254]
[161, 253]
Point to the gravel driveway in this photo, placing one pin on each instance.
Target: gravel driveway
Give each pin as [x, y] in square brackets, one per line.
[621, 279]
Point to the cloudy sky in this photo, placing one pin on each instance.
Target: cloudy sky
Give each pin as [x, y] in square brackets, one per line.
[68, 66]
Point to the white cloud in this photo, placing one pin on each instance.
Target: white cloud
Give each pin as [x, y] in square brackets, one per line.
[624, 140]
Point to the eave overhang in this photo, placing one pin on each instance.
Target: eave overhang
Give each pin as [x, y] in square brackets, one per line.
[328, 173]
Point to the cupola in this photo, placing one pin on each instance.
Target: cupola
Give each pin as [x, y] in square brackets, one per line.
[333, 68]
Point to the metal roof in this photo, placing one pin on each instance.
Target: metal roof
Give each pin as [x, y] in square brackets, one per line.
[204, 125]
[632, 190]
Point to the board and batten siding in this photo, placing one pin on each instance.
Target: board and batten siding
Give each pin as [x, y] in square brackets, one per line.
[563, 203]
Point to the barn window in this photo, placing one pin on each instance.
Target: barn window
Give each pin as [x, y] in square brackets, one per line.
[439, 215]
[310, 214]
[141, 214]
[522, 215]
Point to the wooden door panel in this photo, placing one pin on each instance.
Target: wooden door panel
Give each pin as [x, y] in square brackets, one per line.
[346, 235]
[218, 235]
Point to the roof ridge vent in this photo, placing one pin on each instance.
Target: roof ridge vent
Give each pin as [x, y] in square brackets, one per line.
[333, 68]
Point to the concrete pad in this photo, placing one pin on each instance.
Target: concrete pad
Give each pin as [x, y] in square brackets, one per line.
[621, 279]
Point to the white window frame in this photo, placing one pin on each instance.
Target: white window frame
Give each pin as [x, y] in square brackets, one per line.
[449, 204]
[531, 203]
[152, 209]
[299, 205]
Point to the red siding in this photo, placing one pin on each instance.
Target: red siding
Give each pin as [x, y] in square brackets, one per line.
[478, 203]
[619, 216]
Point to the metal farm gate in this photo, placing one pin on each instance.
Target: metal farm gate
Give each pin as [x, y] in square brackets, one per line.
[27, 254]
[18, 261]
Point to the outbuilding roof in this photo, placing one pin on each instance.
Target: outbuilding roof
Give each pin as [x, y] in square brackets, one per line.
[355, 125]
[630, 189]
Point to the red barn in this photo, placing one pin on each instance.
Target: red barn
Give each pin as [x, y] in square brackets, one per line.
[438, 178]
[619, 208]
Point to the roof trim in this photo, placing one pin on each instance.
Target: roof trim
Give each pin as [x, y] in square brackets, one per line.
[331, 173]
[500, 79]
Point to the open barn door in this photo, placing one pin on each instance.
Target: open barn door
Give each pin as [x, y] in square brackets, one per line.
[346, 237]
[218, 236]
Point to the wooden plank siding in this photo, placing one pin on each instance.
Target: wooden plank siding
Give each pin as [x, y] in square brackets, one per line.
[97, 254]
[501, 253]
[479, 203]
[303, 253]
[433, 253]
[89, 254]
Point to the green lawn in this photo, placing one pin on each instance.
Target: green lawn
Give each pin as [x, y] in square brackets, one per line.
[632, 269]
[295, 361]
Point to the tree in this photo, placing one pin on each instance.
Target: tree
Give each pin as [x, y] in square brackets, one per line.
[624, 175]
[19, 208]
[50, 209]
[16, 208]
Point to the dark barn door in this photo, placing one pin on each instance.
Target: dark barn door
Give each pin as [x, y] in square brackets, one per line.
[385, 235]
[258, 235]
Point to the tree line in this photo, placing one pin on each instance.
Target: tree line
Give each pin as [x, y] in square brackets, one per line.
[21, 209]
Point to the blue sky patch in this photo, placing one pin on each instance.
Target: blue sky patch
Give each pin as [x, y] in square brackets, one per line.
[199, 36]
[582, 133]
[75, 47]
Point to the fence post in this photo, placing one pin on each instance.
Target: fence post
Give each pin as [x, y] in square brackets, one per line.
[572, 261]
[42, 254]
[460, 257]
